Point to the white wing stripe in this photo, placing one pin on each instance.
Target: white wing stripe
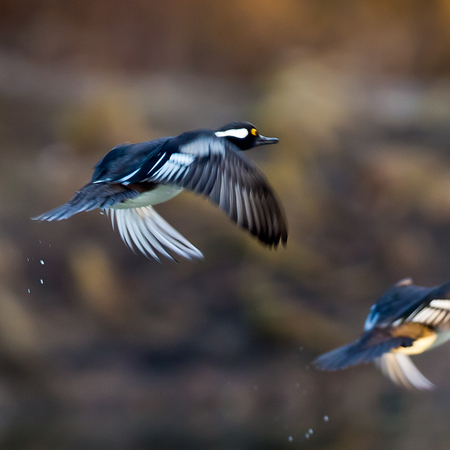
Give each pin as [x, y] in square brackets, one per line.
[155, 165]
[420, 316]
[129, 176]
[182, 159]
[433, 315]
[428, 315]
[175, 169]
[439, 317]
[440, 304]
[168, 170]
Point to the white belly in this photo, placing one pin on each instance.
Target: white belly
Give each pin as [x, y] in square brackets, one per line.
[159, 195]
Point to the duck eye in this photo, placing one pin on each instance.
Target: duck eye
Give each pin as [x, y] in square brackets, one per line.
[254, 131]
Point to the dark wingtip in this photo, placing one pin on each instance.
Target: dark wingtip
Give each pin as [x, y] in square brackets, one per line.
[273, 243]
[284, 239]
[280, 239]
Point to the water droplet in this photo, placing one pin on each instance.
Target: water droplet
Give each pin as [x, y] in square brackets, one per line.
[325, 418]
[310, 431]
[42, 261]
[290, 438]
[42, 281]
[307, 435]
[29, 290]
[28, 259]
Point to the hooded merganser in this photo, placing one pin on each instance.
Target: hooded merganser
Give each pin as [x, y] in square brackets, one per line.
[406, 320]
[133, 177]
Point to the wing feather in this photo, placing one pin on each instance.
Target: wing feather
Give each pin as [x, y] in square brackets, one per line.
[218, 170]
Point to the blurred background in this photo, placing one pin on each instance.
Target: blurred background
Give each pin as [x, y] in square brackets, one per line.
[103, 349]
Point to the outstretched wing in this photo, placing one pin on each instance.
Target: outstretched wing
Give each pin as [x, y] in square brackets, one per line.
[215, 168]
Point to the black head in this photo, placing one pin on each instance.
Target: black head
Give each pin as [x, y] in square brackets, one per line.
[244, 135]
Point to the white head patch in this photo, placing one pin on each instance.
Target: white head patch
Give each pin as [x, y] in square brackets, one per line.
[239, 133]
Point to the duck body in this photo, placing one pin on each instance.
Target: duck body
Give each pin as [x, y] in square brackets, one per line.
[406, 320]
[129, 180]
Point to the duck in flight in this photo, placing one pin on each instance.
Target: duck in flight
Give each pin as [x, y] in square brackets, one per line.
[406, 320]
[131, 178]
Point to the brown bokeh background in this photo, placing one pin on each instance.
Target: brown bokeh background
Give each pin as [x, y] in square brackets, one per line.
[101, 348]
